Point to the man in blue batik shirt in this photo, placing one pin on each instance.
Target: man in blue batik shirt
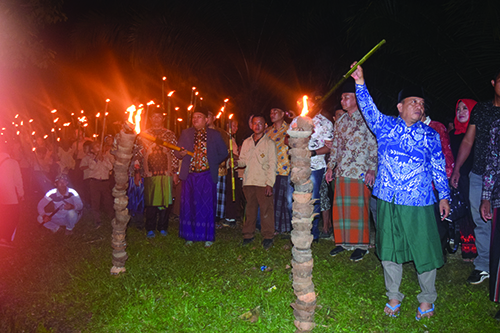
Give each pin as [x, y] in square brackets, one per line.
[410, 159]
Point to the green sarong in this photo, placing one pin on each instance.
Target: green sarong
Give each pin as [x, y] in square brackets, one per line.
[408, 233]
[158, 191]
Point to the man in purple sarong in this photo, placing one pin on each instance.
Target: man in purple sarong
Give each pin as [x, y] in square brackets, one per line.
[199, 175]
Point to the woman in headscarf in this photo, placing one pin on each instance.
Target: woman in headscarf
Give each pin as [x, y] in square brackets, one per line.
[462, 116]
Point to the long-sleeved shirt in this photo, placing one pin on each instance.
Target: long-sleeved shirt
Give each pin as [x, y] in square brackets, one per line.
[410, 158]
[491, 183]
[11, 182]
[260, 160]
[59, 200]
[354, 148]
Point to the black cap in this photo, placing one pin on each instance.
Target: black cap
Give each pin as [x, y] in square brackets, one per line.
[411, 91]
[202, 109]
[349, 86]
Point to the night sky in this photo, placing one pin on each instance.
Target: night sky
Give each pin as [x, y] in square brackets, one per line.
[260, 54]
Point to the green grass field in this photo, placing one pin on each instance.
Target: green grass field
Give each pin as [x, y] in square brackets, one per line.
[57, 283]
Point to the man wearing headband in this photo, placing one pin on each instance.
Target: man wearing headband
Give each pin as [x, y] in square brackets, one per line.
[410, 159]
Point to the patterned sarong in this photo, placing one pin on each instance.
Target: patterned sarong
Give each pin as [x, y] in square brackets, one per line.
[350, 211]
[282, 218]
[408, 233]
[221, 197]
[197, 215]
[158, 191]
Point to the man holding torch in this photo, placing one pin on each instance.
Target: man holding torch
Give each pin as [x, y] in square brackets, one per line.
[160, 172]
[200, 175]
[410, 159]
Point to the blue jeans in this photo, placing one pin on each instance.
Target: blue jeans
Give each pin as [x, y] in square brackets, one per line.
[483, 229]
[316, 177]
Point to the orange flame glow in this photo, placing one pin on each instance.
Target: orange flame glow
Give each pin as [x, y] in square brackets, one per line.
[231, 116]
[176, 108]
[16, 116]
[31, 120]
[134, 117]
[108, 100]
[164, 78]
[179, 119]
[190, 107]
[194, 88]
[151, 103]
[305, 110]
[56, 120]
[53, 111]
[98, 115]
[226, 100]
[45, 136]
[218, 115]
[33, 133]
[171, 93]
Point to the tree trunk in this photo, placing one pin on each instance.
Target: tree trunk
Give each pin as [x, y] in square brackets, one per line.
[302, 261]
[123, 157]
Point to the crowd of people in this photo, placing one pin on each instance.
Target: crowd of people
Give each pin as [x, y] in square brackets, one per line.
[372, 174]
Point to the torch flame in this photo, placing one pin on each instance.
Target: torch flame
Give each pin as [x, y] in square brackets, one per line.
[53, 111]
[231, 116]
[179, 119]
[218, 115]
[16, 116]
[33, 133]
[226, 100]
[194, 88]
[56, 120]
[222, 109]
[305, 110]
[22, 123]
[171, 93]
[33, 149]
[98, 115]
[190, 107]
[107, 101]
[176, 108]
[164, 78]
[134, 117]
[31, 120]
[45, 136]
[131, 110]
[151, 103]
[197, 93]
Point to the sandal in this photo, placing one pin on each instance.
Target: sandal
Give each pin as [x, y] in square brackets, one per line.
[424, 312]
[394, 309]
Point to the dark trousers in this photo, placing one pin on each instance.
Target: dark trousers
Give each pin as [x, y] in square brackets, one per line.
[256, 198]
[157, 217]
[100, 193]
[233, 209]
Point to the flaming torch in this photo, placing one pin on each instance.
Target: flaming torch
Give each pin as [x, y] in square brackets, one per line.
[169, 107]
[302, 261]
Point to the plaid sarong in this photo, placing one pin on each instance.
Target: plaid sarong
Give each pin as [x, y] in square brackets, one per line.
[220, 211]
[282, 218]
[350, 211]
